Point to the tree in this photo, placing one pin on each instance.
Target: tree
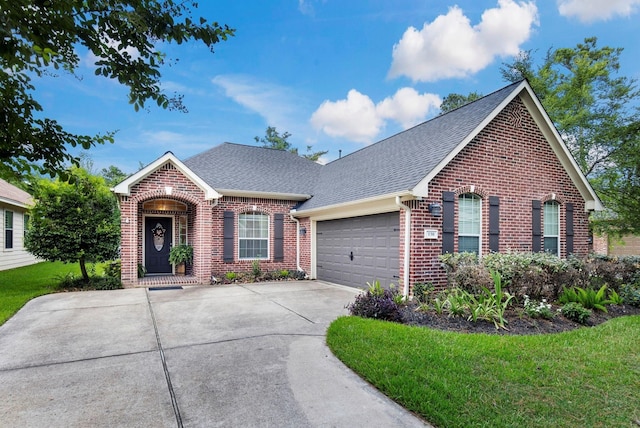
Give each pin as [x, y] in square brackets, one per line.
[586, 101]
[74, 222]
[596, 112]
[454, 101]
[274, 140]
[41, 37]
[113, 175]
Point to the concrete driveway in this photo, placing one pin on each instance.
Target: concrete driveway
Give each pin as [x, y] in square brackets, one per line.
[227, 356]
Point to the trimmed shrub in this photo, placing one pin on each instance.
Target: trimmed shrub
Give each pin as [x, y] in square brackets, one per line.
[377, 303]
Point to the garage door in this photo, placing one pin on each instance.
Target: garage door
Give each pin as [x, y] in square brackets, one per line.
[354, 251]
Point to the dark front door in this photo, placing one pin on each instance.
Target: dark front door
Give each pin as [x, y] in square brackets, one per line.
[158, 232]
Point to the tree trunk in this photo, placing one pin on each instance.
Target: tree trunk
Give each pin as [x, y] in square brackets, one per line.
[83, 269]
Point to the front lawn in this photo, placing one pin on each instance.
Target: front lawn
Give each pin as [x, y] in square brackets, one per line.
[18, 286]
[585, 377]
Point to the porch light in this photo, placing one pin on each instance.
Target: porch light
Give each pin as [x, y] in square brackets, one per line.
[435, 209]
[168, 190]
[303, 231]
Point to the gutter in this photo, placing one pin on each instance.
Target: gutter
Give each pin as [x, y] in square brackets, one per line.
[297, 241]
[407, 245]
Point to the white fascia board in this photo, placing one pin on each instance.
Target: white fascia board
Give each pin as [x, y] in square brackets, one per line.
[264, 195]
[548, 129]
[124, 188]
[422, 188]
[14, 203]
[375, 205]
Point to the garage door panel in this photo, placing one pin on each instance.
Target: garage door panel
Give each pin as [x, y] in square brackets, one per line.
[374, 242]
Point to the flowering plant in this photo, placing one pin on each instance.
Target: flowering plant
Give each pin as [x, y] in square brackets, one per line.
[536, 309]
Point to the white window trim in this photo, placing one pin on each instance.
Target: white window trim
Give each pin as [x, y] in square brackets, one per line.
[268, 238]
[13, 229]
[544, 235]
[479, 235]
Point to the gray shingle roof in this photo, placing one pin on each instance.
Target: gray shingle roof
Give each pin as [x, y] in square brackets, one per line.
[400, 162]
[396, 164]
[254, 169]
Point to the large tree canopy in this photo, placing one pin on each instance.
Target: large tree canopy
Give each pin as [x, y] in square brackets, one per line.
[585, 98]
[42, 37]
[74, 221]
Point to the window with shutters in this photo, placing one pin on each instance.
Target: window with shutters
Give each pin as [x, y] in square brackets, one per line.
[253, 236]
[469, 223]
[551, 215]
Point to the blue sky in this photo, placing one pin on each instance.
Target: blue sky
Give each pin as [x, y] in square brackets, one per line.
[335, 74]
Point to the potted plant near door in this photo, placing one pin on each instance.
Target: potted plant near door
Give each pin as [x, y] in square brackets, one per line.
[179, 256]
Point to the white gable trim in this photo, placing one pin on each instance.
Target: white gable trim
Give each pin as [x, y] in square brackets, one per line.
[124, 188]
[592, 202]
[548, 129]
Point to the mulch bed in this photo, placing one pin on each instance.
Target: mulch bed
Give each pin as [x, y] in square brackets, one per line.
[518, 322]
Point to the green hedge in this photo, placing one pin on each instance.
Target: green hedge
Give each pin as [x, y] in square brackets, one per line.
[539, 275]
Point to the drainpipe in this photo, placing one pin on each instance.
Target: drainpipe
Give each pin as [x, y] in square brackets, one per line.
[297, 241]
[407, 244]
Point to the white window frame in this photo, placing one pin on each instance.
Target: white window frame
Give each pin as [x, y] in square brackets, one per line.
[6, 243]
[548, 233]
[242, 235]
[461, 233]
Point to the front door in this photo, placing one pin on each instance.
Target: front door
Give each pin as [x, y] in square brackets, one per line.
[158, 232]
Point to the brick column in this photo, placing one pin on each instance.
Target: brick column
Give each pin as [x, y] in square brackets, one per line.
[202, 245]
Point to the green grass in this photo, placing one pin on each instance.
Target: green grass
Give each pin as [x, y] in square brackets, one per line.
[18, 286]
[585, 377]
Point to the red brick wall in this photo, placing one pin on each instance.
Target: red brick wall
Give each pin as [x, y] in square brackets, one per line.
[513, 162]
[246, 205]
[204, 226]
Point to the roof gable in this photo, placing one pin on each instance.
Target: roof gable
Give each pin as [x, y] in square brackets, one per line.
[405, 163]
[124, 188]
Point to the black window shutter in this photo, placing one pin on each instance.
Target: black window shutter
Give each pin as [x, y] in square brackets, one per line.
[278, 237]
[536, 243]
[228, 228]
[448, 221]
[494, 223]
[569, 227]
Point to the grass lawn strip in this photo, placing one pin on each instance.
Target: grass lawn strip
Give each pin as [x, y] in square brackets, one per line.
[19, 285]
[586, 377]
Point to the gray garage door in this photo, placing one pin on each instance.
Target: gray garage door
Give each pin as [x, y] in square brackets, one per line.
[354, 251]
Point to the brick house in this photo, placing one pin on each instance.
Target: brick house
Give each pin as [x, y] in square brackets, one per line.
[493, 175]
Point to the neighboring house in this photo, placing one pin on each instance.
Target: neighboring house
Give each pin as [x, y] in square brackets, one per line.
[14, 217]
[628, 245]
[493, 175]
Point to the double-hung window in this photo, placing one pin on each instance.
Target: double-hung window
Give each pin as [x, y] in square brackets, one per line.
[552, 227]
[469, 209]
[8, 229]
[253, 236]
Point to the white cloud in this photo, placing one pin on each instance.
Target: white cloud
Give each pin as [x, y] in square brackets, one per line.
[357, 118]
[451, 47]
[596, 10]
[273, 102]
[408, 107]
[354, 118]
